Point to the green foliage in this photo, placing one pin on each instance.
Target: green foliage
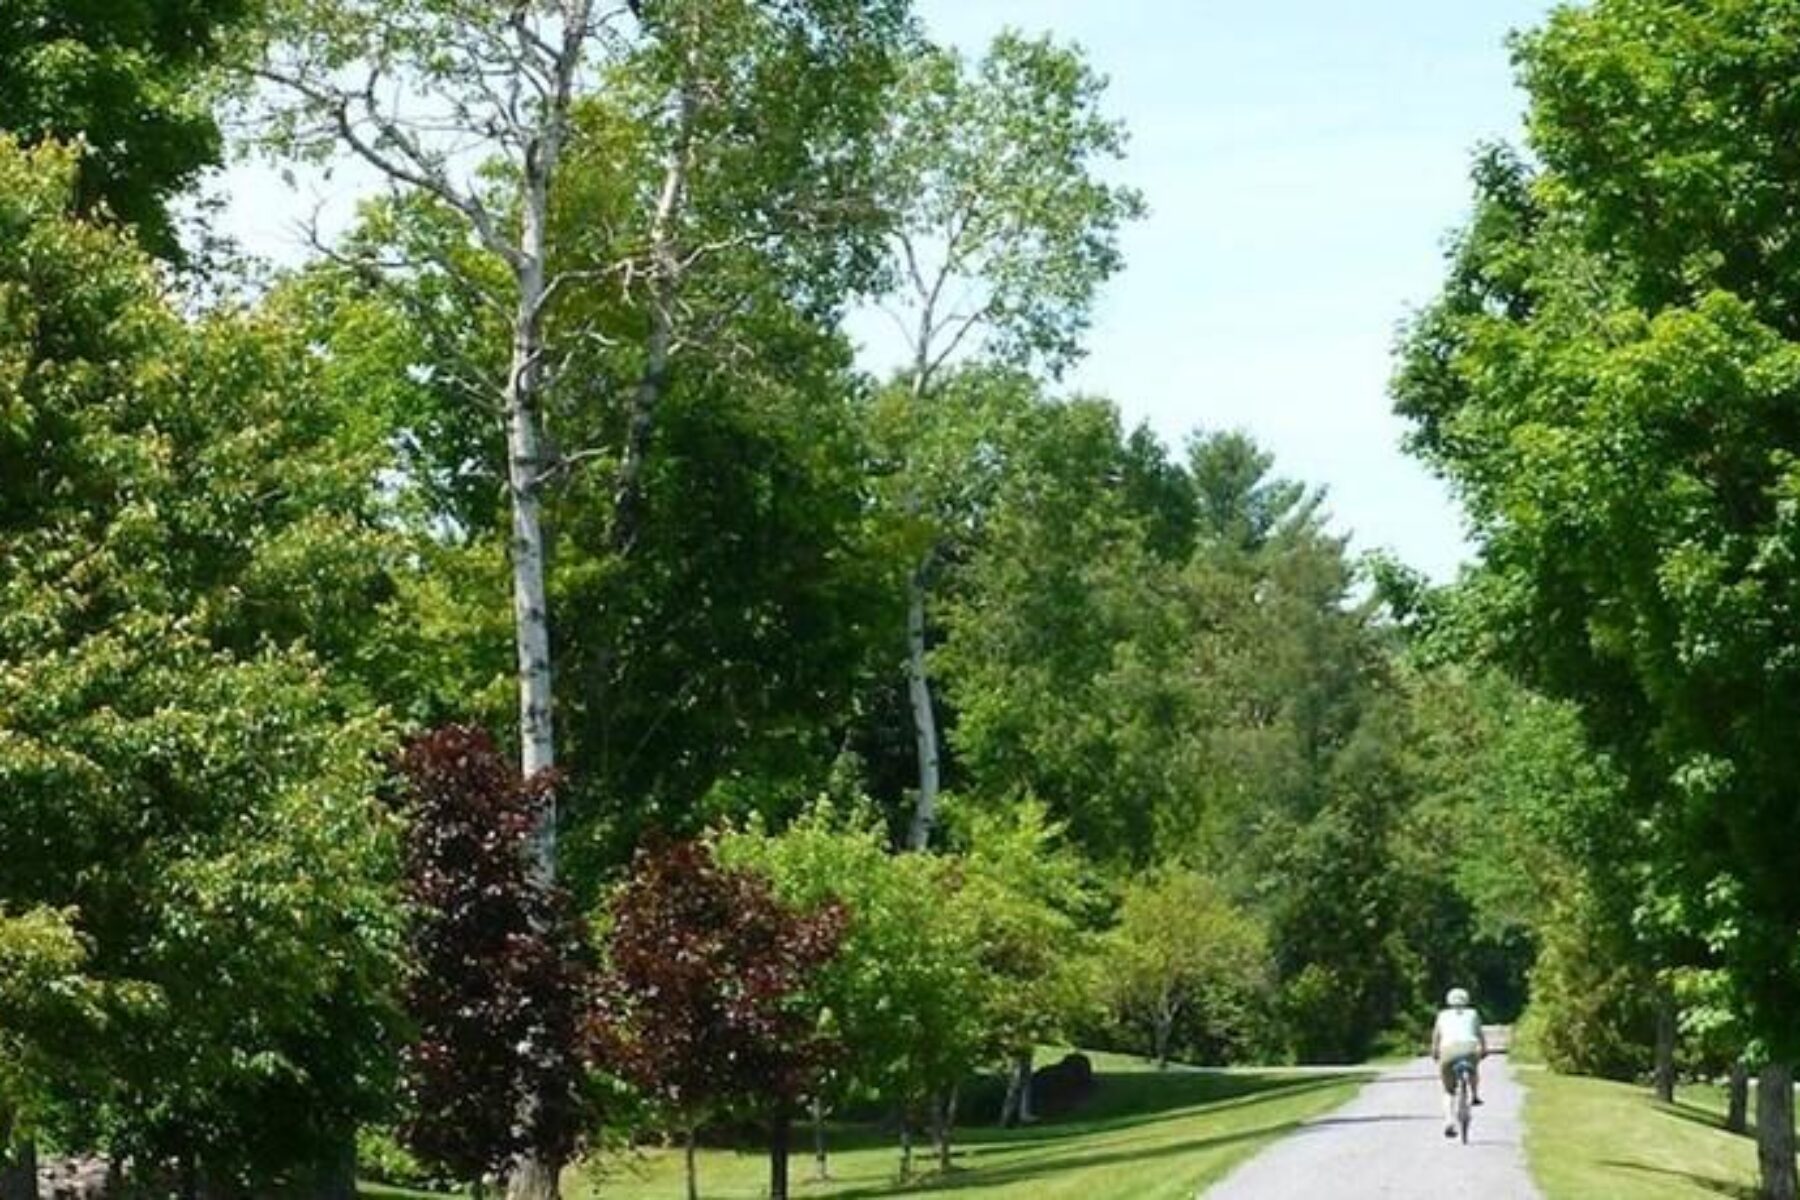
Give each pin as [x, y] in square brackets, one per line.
[1060, 654]
[1336, 928]
[1183, 952]
[701, 674]
[186, 526]
[706, 674]
[51, 1006]
[130, 80]
[1029, 900]
[992, 173]
[381, 1158]
[1609, 380]
[1592, 1000]
[905, 990]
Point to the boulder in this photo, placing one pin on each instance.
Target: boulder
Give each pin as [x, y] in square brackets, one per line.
[1062, 1087]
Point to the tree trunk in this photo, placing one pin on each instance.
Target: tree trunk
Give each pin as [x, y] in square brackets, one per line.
[18, 1170]
[533, 1177]
[1009, 1104]
[780, 1135]
[1163, 1031]
[1015, 1109]
[943, 1123]
[925, 732]
[1775, 1130]
[821, 1167]
[666, 268]
[906, 1149]
[693, 1174]
[1665, 1044]
[337, 1175]
[525, 470]
[1737, 1096]
[1026, 1116]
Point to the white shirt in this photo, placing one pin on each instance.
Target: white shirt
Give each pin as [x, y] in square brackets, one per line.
[1458, 1029]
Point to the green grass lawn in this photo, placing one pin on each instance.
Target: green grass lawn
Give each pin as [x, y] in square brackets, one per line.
[1144, 1134]
[1588, 1139]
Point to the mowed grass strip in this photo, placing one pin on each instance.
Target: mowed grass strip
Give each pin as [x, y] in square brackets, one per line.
[1589, 1139]
[1144, 1134]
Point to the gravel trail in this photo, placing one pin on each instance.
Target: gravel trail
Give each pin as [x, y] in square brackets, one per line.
[1389, 1142]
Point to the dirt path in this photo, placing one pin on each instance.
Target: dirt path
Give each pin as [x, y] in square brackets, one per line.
[1389, 1142]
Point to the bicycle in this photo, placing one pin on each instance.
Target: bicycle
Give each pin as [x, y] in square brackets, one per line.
[1464, 1070]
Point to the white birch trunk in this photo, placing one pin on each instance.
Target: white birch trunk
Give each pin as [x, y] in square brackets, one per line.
[918, 682]
[925, 732]
[666, 268]
[525, 468]
[533, 1177]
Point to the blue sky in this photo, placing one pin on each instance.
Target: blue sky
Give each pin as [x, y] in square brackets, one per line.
[1304, 161]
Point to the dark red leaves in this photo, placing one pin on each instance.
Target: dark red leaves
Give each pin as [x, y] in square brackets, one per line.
[501, 977]
[702, 1004]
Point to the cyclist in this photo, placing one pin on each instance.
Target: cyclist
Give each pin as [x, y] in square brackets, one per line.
[1457, 1037]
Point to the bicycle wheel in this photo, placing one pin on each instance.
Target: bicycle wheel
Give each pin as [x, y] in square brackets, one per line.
[1462, 1103]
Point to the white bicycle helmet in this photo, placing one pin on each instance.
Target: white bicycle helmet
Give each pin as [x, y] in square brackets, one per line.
[1457, 998]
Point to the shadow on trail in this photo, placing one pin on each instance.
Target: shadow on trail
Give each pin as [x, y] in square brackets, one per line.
[1377, 1119]
[996, 1176]
[1133, 1101]
[1126, 1111]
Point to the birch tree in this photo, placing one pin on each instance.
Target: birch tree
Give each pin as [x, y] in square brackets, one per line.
[1004, 231]
[474, 108]
[433, 96]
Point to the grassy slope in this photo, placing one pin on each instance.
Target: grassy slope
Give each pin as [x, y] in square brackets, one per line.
[1588, 1139]
[1143, 1136]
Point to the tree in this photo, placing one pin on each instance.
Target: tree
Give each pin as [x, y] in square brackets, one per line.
[1003, 232]
[477, 111]
[1608, 378]
[517, 82]
[130, 82]
[1063, 643]
[705, 970]
[1028, 895]
[1181, 949]
[1285, 662]
[51, 1006]
[904, 990]
[183, 781]
[938, 458]
[1239, 505]
[498, 991]
[705, 673]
